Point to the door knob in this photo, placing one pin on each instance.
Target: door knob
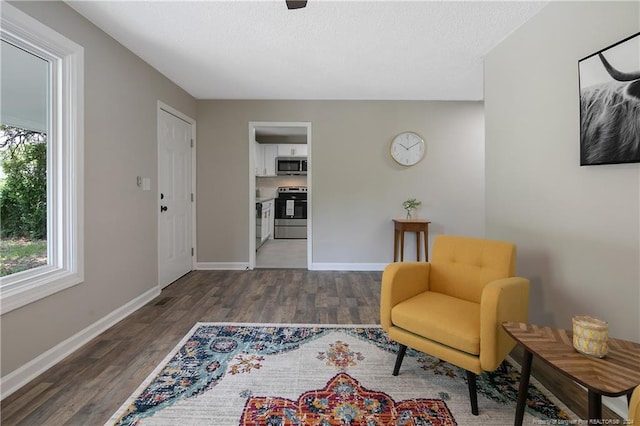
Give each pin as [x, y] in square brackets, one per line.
[163, 208]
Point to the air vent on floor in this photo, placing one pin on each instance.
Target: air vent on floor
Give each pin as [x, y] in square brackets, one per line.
[164, 301]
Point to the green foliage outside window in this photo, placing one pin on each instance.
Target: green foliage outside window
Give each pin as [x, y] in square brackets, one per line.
[23, 194]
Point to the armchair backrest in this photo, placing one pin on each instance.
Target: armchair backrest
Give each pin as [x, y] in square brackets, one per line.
[462, 266]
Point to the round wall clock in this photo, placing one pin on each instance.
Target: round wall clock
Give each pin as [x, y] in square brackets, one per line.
[407, 148]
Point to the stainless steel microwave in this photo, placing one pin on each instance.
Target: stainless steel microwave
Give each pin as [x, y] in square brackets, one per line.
[291, 166]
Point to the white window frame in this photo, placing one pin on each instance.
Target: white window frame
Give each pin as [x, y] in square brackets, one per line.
[65, 162]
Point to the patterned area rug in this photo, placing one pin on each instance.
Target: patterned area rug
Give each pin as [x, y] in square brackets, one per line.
[242, 374]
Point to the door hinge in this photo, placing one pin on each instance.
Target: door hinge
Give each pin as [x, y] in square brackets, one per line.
[192, 197]
[191, 143]
[192, 250]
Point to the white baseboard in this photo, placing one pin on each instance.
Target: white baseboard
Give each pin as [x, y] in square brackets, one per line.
[241, 266]
[29, 371]
[222, 266]
[348, 266]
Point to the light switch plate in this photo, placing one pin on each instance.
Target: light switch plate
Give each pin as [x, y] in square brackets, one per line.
[146, 184]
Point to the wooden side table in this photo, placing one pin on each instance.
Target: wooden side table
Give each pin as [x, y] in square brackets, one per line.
[616, 374]
[400, 226]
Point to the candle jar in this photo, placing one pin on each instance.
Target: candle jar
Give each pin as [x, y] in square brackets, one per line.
[590, 336]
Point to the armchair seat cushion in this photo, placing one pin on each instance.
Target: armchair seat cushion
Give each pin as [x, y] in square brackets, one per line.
[445, 319]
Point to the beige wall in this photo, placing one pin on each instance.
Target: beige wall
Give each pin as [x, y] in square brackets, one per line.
[577, 228]
[356, 187]
[121, 94]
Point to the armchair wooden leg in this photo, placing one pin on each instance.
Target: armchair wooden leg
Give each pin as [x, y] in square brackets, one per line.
[399, 358]
[473, 392]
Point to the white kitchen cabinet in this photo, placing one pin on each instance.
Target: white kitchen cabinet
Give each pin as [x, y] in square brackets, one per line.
[267, 220]
[270, 154]
[292, 150]
[272, 217]
[265, 159]
[259, 159]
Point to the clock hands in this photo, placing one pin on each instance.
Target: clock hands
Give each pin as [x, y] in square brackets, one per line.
[409, 139]
[408, 148]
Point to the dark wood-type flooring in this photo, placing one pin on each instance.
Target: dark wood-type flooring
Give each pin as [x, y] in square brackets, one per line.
[88, 387]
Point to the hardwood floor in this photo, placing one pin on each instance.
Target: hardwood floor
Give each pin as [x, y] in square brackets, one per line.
[87, 387]
[90, 385]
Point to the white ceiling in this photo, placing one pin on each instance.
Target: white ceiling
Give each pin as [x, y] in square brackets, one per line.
[416, 50]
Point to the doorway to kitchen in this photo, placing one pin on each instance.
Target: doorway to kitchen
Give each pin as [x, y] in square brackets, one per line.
[280, 195]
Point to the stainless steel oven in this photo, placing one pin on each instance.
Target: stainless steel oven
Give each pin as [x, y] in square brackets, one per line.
[291, 212]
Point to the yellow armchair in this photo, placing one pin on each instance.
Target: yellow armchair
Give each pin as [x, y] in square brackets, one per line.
[634, 407]
[453, 307]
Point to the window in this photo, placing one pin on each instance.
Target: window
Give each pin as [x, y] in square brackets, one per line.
[23, 156]
[59, 130]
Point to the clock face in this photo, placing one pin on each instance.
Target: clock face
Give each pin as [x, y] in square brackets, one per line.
[407, 148]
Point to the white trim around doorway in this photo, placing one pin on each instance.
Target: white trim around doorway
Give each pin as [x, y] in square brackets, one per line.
[252, 186]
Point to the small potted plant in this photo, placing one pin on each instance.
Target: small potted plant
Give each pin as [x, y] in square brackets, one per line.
[410, 205]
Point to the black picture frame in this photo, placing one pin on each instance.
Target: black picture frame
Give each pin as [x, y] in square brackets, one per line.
[609, 83]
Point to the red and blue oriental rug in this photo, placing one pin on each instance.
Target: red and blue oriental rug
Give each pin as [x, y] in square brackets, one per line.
[285, 374]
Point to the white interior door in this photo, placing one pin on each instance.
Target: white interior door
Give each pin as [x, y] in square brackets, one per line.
[175, 198]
